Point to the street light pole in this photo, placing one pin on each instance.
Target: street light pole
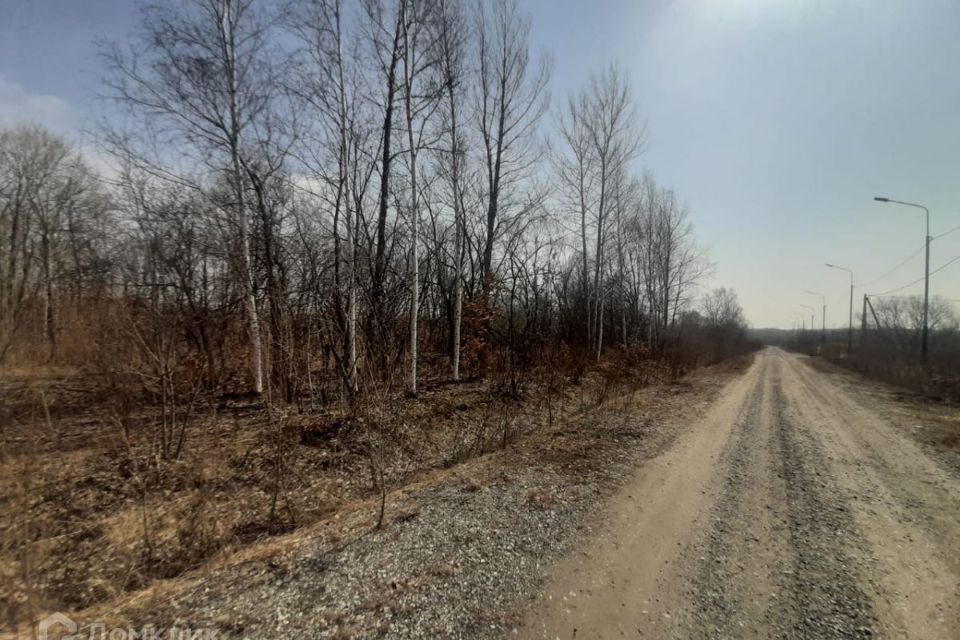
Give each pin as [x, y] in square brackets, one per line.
[823, 326]
[926, 274]
[850, 322]
[806, 306]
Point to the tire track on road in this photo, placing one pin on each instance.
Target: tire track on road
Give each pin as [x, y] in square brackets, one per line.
[736, 586]
[901, 501]
[827, 599]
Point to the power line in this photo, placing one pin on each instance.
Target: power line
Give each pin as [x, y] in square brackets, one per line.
[920, 279]
[900, 264]
[872, 296]
[909, 284]
[945, 265]
[946, 233]
[909, 258]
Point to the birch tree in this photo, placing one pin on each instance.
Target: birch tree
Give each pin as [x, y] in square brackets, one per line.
[202, 73]
[384, 31]
[328, 82]
[452, 42]
[420, 101]
[575, 169]
[615, 139]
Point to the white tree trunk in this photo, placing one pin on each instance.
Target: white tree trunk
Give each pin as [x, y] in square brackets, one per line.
[352, 331]
[351, 239]
[351, 297]
[458, 232]
[408, 71]
[600, 328]
[415, 295]
[253, 317]
[250, 302]
[457, 296]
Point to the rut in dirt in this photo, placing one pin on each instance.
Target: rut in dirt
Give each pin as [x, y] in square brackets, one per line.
[777, 559]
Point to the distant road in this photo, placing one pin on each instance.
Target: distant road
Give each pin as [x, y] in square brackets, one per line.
[797, 507]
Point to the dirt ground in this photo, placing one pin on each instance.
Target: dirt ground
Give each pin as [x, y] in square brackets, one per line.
[806, 504]
[786, 498]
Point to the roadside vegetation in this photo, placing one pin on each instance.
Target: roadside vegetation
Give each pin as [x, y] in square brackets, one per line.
[333, 246]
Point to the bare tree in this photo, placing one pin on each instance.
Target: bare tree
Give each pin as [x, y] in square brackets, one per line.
[203, 73]
[575, 169]
[50, 201]
[421, 93]
[377, 169]
[385, 34]
[672, 262]
[511, 99]
[452, 42]
[903, 315]
[328, 83]
[601, 129]
[721, 309]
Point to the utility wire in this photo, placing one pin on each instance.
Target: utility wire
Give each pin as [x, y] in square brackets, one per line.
[909, 258]
[938, 269]
[945, 265]
[909, 284]
[900, 264]
[946, 233]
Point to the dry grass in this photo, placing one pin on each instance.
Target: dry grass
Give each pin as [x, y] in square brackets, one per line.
[92, 515]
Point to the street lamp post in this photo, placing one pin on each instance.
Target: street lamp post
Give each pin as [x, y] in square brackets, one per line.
[811, 309]
[850, 322]
[926, 273]
[823, 326]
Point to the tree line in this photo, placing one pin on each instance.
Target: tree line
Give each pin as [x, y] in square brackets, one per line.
[336, 194]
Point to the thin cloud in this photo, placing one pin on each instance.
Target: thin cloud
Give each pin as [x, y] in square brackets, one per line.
[20, 106]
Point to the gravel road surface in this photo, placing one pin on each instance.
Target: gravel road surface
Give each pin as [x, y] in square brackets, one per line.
[792, 509]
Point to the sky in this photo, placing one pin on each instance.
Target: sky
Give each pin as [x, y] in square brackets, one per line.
[776, 122]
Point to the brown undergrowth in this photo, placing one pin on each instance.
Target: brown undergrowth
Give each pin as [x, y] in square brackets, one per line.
[94, 509]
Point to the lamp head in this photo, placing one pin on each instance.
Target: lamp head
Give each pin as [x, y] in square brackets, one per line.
[881, 199]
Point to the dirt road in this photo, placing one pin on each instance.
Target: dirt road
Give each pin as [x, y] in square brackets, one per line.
[794, 509]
